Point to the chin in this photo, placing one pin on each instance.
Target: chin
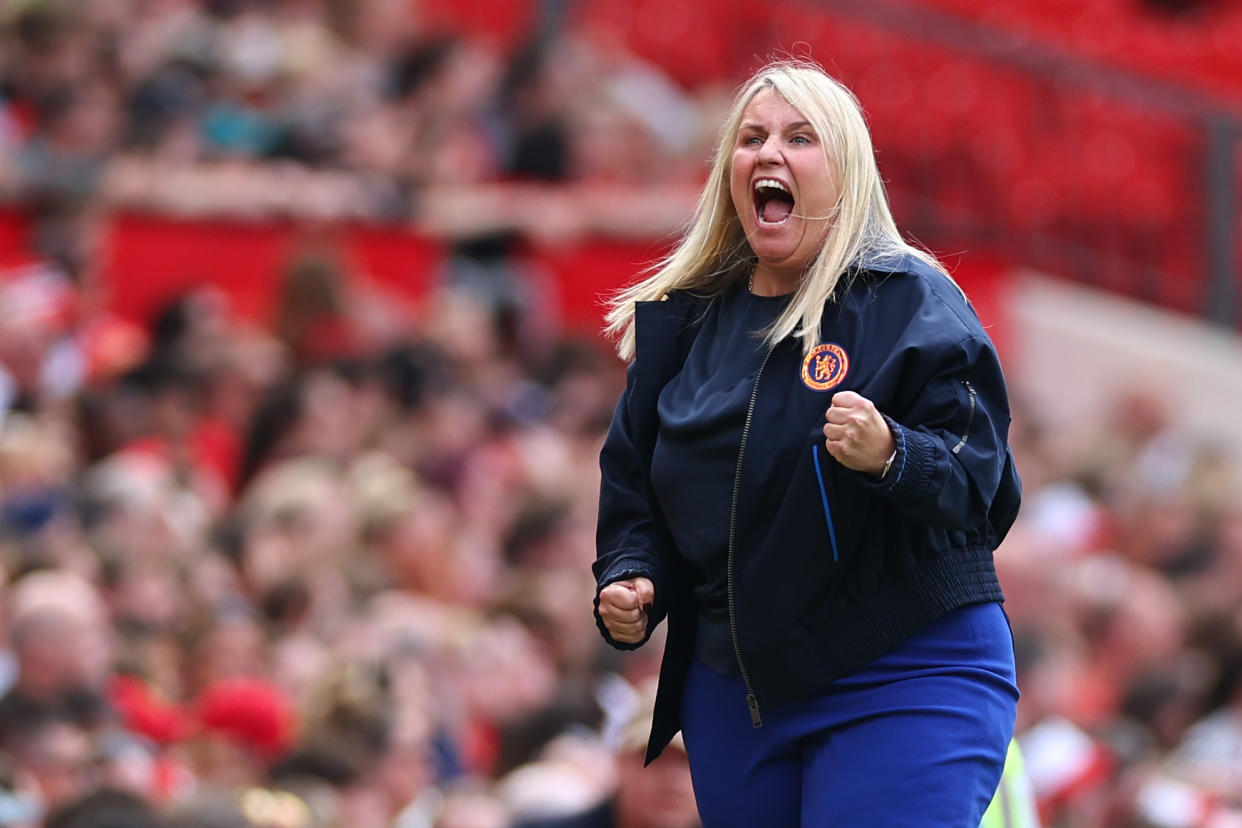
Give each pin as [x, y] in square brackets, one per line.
[773, 243]
[779, 257]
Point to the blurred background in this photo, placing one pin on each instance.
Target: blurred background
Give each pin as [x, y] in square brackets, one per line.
[302, 391]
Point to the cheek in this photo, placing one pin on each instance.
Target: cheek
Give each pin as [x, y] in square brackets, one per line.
[739, 187]
[820, 204]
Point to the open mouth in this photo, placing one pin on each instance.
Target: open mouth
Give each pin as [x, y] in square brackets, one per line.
[773, 202]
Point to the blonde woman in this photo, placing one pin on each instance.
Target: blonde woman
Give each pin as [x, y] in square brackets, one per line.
[806, 475]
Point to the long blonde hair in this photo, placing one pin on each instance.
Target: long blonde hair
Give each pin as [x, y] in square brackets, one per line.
[714, 252]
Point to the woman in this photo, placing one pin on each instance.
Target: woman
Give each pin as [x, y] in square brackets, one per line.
[806, 475]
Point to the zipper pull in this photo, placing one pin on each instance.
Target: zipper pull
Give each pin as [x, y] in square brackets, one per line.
[755, 719]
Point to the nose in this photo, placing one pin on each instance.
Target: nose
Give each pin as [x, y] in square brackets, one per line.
[770, 152]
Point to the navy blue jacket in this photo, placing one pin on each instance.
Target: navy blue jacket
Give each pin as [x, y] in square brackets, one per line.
[836, 568]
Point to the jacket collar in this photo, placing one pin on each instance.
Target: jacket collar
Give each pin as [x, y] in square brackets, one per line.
[900, 263]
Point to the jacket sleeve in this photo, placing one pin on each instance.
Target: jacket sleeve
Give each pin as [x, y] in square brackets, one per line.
[953, 466]
[627, 536]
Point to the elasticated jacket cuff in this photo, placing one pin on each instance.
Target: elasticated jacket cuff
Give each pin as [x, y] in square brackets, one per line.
[913, 471]
[622, 571]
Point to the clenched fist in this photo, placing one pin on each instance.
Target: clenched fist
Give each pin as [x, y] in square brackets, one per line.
[624, 606]
[856, 434]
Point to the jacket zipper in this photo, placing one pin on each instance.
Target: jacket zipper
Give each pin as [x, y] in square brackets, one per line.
[752, 703]
[970, 418]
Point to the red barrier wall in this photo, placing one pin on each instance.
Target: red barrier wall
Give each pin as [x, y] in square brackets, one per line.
[150, 260]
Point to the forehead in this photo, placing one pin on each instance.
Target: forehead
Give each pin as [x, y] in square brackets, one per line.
[769, 108]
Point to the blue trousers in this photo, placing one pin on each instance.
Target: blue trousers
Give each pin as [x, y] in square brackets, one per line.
[916, 739]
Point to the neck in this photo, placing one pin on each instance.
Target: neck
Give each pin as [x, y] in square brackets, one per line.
[766, 282]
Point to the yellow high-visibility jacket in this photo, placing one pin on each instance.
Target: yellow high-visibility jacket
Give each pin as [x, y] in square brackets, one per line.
[1013, 804]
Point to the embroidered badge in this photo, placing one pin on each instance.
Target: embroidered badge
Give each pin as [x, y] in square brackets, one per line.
[825, 367]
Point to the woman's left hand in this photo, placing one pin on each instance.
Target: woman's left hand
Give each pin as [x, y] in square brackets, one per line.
[856, 434]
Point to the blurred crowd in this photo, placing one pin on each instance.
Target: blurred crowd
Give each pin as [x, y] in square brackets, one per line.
[1124, 584]
[340, 109]
[333, 569]
[300, 575]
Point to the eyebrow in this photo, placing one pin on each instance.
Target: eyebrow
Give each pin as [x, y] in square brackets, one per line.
[751, 125]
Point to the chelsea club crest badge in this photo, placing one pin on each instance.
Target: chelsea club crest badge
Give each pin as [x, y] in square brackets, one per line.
[825, 367]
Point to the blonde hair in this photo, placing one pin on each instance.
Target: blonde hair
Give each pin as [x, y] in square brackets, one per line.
[714, 252]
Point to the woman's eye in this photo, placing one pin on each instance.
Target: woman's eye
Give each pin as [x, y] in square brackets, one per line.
[801, 139]
[753, 140]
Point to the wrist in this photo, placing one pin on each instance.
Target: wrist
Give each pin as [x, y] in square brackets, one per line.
[888, 464]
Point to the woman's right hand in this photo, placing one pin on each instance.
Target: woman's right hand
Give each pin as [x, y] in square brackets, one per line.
[624, 607]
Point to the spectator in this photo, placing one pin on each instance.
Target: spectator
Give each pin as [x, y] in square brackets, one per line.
[60, 639]
[660, 796]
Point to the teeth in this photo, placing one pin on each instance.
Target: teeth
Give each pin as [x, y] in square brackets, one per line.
[772, 183]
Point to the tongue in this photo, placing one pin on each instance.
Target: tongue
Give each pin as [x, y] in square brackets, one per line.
[776, 210]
